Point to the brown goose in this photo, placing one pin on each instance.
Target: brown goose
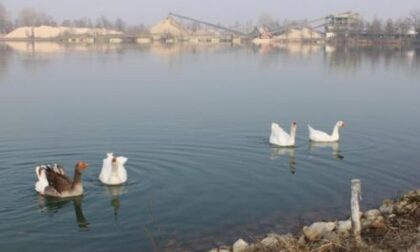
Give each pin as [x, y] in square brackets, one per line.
[53, 181]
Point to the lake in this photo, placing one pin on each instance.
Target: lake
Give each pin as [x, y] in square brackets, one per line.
[194, 122]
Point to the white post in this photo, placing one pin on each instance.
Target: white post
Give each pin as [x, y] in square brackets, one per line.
[355, 208]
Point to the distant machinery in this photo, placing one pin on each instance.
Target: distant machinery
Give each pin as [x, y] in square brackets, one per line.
[340, 24]
[218, 27]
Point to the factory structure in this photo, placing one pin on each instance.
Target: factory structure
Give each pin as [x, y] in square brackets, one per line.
[174, 28]
[334, 28]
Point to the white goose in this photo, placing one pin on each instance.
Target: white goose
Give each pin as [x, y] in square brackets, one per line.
[113, 171]
[279, 137]
[320, 136]
[42, 182]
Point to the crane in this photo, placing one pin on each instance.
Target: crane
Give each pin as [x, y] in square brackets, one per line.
[219, 27]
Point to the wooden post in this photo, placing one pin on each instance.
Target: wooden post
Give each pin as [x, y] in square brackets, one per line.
[355, 208]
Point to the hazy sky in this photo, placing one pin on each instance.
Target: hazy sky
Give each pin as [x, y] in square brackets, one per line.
[223, 11]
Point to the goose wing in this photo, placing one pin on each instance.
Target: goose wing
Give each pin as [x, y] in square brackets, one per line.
[121, 169]
[59, 169]
[317, 134]
[106, 168]
[277, 131]
[57, 180]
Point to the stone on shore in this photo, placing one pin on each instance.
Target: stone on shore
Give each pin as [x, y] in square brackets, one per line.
[372, 214]
[387, 207]
[318, 230]
[224, 249]
[373, 219]
[271, 240]
[344, 227]
[240, 246]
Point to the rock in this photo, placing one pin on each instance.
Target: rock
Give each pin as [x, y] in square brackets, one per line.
[287, 240]
[387, 207]
[213, 250]
[401, 206]
[240, 246]
[318, 230]
[373, 219]
[331, 236]
[302, 241]
[410, 194]
[344, 227]
[271, 240]
[372, 214]
[366, 223]
[379, 223]
[224, 249]
[417, 213]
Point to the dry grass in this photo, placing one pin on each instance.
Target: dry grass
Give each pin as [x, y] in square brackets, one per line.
[401, 233]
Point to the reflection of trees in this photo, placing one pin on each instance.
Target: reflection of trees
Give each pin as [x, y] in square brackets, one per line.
[173, 53]
[351, 59]
[5, 55]
[342, 59]
[347, 59]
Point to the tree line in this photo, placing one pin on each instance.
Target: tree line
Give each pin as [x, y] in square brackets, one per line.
[389, 26]
[33, 17]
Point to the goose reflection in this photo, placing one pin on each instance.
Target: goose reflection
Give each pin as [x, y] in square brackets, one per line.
[277, 152]
[53, 205]
[335, 147]
[114, 192]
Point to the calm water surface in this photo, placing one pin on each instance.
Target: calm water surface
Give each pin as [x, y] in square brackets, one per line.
[194, 123]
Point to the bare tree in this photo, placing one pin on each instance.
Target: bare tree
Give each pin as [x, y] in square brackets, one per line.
[415, 19]
[27, 17]
[267, 20]
[120, 25]
[358, 26]
[66, 23]
[402, 26]
[4, 19]
[375, 27]
[103, 22]
[136, 29]
[389, 27]
[32, 17]
[249, 26]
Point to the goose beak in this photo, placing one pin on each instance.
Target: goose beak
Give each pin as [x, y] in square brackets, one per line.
[83, 165]
[344, 125]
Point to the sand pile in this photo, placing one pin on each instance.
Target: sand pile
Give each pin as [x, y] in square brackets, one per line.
[46, 32]
[169, 26]
[295, 34]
